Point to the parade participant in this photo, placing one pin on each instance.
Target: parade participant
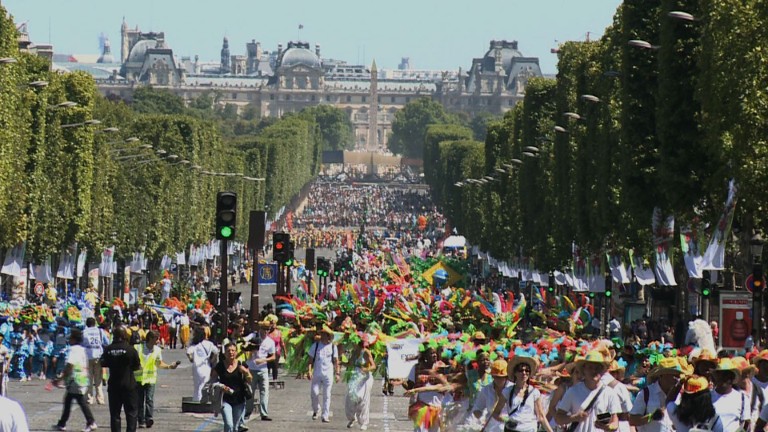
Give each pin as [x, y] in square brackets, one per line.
[151, 358]
[648, 413]
[731, 405]
[616, 370]
[480, 376]
[183, 326]
[704, 363]
[695, 408]
[519, 406]
[123, 361]
[40, 357]
[357, 403]
[485, 402]
[233, 377]
[569, 376]
[323, 361]
[94, 341]
[760, 382]
[257, 364]
[173, 328]
[75, 378]
[201, 353]
[590, 404]
[13, 418]
[276, 335]
[426, 392]
[5, 363]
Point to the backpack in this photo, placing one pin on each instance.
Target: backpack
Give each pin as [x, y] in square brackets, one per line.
[135, 337]
[705, 427]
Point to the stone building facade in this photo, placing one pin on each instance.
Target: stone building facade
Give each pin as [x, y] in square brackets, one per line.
[296, 76]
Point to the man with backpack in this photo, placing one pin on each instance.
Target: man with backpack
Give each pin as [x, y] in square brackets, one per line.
[648, 412]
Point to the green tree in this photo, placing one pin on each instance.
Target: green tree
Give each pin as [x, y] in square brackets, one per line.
[334, 124]
[410, 125]
[150, 100]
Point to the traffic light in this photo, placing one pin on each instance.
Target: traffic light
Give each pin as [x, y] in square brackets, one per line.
[288, 261]
[226, 215]
[706, 288]
[550, 289]
[323, 267]
[281, 243]
[608, 292]
[591, 294]
[757, 277]
[337, 268]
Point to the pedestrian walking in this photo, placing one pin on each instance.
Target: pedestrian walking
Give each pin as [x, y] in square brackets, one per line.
[323, 361]
[202, 353]
[233, 377]
[357, 403]
[75, 379]
[151, 358]
[5, 364]
[94, 341]
[123, 361]
[257, 364]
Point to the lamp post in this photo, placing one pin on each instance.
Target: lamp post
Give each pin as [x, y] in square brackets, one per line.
[756, 248]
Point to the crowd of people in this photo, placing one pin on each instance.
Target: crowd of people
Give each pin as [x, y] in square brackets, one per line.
[479, 363]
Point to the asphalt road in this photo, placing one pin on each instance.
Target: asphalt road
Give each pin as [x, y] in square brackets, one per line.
[289, 407]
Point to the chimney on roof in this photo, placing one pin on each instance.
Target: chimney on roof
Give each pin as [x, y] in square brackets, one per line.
[279, 50]
[317, 50]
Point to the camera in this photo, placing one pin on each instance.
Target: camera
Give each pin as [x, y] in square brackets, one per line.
[604, 417]
[510, 426]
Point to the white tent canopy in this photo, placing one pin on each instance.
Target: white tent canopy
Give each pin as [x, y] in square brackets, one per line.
[455, 241]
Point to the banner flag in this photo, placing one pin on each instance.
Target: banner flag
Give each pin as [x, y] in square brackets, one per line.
[66, 268]
[663, 231]
[714, 257]
[619, 271]
[81, 259]
[14, 260]
[107, 257]
[643, 273]
[180, 258]
[689, 243]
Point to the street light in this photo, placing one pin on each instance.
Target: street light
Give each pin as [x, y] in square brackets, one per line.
[685, 16]
[8, 60]
[756, 248]
[638, 43]
[561, 129]
[590, 98]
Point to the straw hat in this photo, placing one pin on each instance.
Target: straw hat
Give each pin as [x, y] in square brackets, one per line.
[266, 324]
[570, 366]
[532, 363]
[761, 356]
[669, 366]
[478, 336]
[695, 384]
[499, 368]
[726, 365]
[615, 366]
[597, 357]
[743, 365]
[705, 355]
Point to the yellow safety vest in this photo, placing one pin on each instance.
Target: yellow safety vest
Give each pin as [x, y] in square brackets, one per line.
[148, 372]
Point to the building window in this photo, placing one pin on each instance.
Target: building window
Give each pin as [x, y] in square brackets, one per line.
[287, 97]
[271, 97]
[392, 99]
[328, 98]
[312, 98]
[349, 98]
[408, 99]
[234, 95]
[365, 99]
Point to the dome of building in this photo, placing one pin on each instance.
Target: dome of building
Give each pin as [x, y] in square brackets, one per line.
[508, 51]
[300, 56]
[139, 51]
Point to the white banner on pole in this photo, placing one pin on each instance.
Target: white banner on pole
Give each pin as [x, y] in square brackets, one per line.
[402, 356]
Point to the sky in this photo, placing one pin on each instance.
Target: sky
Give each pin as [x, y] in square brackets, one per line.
[434, 34]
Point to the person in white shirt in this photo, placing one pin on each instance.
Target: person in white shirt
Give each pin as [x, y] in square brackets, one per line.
[94, 341]
[586, 402]
[760, 382]
[76, 382]
[13, 418]
[616, 371]
[167, 285]
[200, 353]
[257, 364]
[323, 361]
[485, 401]
[731, 405]
[694, 406]
[519, 407]
[648, 413]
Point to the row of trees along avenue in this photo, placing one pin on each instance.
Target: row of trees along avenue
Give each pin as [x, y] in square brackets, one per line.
[662, 111]
[76, 167]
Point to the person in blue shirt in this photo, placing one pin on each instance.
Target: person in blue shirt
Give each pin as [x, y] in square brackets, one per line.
[39, 362]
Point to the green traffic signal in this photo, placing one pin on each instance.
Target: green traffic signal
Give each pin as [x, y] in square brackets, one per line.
[591, 294]
[608, 293]
[289, 263]
[225, 232]
[705, 292]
